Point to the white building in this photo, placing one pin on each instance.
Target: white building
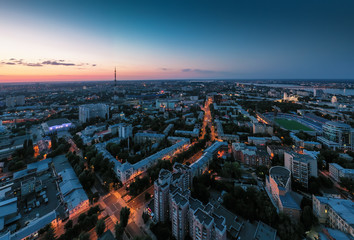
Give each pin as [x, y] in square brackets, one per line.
[337, 135]
[123, 130]
[337, 213]
[126, 171]
[301, 166]
[90, 111]
[15, 101]
[336, 172]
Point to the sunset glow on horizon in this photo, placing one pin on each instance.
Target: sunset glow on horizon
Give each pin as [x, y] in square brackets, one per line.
[84, 41]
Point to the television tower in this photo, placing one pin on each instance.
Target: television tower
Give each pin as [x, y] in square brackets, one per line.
[115, 77]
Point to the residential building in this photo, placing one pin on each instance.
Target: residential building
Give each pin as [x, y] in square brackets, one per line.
[262, 128]
[337, 135]
[202, 164]
[278, 187]
[302, 166]
[123, 130]
[336, 172]
[91, 111]
[15, 101]
[335, 213]
[179, 219]
[161, 195]
[255, 157]
[187, 215]
[143, 137]
[126, 171]
[277, 150]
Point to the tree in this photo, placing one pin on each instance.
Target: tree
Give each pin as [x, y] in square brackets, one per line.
[145, 217]
[119, 230]
[84, 236]
[100, 227]
[124, 216]
[287, 229]
[50, 233]
[68, 225]
[348, 184]
[307, 218]
[147, 196]
[82, 218]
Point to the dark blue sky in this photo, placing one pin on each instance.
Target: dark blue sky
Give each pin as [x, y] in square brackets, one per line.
[190, 39]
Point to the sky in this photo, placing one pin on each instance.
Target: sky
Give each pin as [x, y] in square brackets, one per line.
[68, 40]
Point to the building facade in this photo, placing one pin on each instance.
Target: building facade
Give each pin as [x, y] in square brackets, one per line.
[337, 135]
[301, 166]
[91, 111]
[337, 172]
[278, 187]
[15, 101]
[335, 213]
[188, 216]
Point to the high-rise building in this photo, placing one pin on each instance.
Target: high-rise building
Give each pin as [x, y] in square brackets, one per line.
[15, 101]
[125, 130]
[337, 135]
[161, 196]
[90, 111]
[188, 215]
[179, 219]
[302, 166]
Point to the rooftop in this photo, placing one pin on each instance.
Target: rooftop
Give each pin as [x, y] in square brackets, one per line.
[281, 175]
[59, 121]
[344, 208]
[203, 217]
[265, 232]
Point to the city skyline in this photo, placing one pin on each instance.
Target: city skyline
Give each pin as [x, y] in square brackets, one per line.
[69, 41]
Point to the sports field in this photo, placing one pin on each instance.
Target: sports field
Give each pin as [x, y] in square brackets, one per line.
[291, 124]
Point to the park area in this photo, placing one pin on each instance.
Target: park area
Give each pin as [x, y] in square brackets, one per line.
[291, 124]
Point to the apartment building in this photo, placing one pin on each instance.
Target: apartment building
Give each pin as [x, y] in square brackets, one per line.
[335, 212]
[302, 166]
[337, 172]
[188, 215]
[278, 187]
[123, 130]
[91, 111]
[15, 101]
[161, 196]
[255, 157]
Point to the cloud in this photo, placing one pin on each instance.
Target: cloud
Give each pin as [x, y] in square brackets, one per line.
[56, 63]
[201, 71]
[164, 69]
[61, 62]
[34, 65]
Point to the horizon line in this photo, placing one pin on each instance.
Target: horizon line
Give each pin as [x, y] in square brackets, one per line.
[180, 79]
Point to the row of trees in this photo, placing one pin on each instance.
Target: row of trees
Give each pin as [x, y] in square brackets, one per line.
[96, 163]
[59, 146]
[86, 222]
[254, 205]
[120, 227]
[22, 156]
